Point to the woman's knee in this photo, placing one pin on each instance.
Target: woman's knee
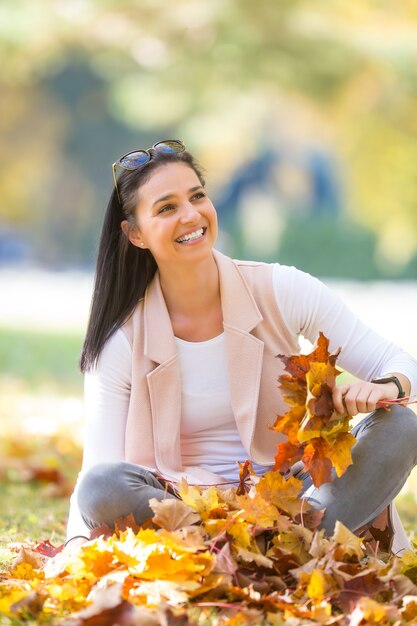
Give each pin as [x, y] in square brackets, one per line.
[107, 485]
[393, 431]
[404, 421]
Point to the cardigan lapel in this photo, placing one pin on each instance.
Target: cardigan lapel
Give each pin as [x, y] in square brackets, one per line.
[244, 351]
[164, 382]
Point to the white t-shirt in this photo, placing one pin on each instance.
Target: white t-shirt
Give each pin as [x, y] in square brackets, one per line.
[209, 435]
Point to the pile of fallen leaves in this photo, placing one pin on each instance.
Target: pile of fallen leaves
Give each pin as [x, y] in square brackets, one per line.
[253, 558]
[251, 555]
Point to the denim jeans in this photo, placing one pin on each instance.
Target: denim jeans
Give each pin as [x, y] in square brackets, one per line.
[383, 457]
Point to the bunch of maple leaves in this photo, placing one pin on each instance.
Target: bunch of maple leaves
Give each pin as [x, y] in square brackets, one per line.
[251, 555]
[317, 435]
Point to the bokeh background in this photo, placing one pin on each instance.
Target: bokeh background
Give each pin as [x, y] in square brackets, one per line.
[304, 116]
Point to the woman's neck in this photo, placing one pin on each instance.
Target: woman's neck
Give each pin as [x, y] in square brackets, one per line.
[191, 291]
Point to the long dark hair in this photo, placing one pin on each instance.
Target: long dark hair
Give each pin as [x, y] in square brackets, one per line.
[123, 270]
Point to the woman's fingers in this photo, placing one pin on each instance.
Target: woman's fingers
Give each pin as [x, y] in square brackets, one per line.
[337, 394]
[359, 397]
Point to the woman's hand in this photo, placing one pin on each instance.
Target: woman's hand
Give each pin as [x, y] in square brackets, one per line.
[361, 396]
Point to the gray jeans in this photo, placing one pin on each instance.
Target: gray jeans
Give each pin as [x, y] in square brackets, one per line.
[383, 457]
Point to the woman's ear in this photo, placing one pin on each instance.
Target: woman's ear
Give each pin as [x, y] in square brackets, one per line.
[132, 233]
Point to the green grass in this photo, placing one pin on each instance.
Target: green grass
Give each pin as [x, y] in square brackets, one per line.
[40, 358]
[30, 513]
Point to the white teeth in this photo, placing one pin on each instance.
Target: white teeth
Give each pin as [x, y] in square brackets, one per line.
[195, 235]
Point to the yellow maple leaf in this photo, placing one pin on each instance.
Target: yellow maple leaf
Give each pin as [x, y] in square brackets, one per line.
[65, 594]
[241, 533]
[200, 500]
[151, 555]
[339, 453]
[283, 494]
[289, 423]
[92, 561]
[318, 586]
[26, 571]
[256, 510]
[350, 543]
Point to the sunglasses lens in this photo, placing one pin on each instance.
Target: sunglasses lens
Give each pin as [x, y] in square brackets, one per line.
[172, 145]
[134, 159]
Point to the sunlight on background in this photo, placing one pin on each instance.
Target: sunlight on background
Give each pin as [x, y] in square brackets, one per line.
[305, 121]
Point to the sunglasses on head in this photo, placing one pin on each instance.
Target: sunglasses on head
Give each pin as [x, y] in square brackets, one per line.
[139, 158]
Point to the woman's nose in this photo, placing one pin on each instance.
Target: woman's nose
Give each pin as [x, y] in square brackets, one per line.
[189, 213]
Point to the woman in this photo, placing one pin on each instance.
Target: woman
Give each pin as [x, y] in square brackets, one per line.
[181, 368]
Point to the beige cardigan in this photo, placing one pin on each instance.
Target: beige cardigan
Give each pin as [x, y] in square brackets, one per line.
[255, 334]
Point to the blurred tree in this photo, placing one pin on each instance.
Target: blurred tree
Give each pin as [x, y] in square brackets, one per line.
[218, 73]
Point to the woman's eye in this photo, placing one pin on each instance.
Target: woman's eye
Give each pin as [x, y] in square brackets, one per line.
[199, 195]
[167, 207]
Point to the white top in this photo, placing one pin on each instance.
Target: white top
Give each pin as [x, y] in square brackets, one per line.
[208, 432]
[306, 305]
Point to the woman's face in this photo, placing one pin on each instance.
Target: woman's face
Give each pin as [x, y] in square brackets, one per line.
[176, 219]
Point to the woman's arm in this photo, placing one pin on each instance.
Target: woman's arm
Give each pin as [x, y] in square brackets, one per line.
[106, 404]
[308, 306]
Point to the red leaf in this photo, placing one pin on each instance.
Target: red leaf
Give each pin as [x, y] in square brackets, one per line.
[287, 455]
[47, 475]
[47, 549]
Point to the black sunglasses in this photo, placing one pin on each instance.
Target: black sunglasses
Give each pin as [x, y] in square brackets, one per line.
[139, 158]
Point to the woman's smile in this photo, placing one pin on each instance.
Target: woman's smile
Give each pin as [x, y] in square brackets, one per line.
[192, 237]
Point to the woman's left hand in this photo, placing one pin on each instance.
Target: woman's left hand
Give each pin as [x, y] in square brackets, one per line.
[360, 396]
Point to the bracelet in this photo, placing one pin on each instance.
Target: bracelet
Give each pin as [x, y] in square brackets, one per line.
[75, 537]
[390, 379]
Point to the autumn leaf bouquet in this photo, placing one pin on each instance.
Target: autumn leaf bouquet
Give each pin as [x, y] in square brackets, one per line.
[317, 435]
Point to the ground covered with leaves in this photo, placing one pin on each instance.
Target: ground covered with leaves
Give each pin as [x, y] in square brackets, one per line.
[214, 557]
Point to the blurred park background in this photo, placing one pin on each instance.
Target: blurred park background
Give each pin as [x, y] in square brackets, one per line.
[304, 116]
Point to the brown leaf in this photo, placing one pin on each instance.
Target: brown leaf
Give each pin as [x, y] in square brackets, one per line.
[311, 518]
[245, 472]
[172, 514]
[316, 462]
[123, 523]
[102, 531]
[364, 584]
[30, 556]
[225, 563]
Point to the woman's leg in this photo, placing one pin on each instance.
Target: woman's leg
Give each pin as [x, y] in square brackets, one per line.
[383, 457]
[109, 491]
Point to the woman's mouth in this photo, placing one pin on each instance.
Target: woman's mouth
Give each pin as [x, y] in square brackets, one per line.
[192, 236]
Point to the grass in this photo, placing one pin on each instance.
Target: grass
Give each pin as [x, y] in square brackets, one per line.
[39, 386]
[38, 358]
[30, 513]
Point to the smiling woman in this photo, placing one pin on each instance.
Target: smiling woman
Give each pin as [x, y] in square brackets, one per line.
[181, 369]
